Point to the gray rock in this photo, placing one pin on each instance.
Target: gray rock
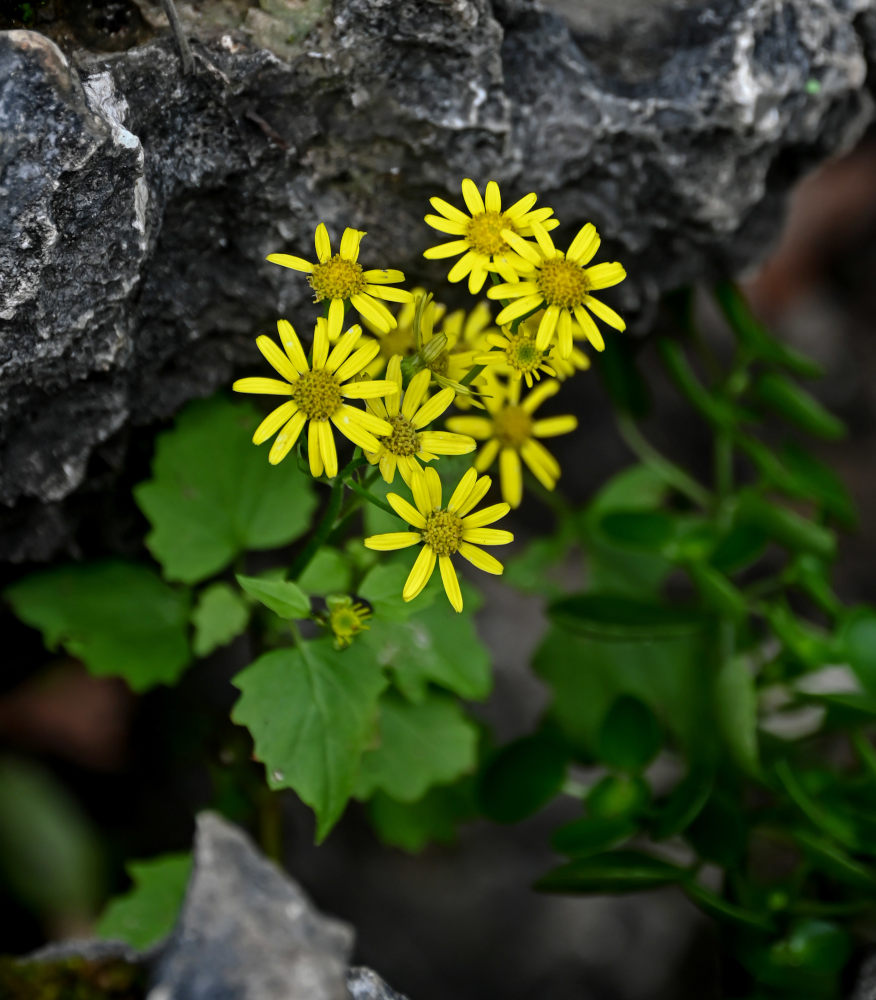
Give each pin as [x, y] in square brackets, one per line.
[138, 204]
[364, 984]
[247, 932]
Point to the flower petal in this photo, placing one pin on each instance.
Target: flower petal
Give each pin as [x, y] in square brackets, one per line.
[388, 292]
[486, 515]
[512, 290]
[392, 540]
[479, 428]
[480, 489]
[383, 276]
[405, 510]
[539, 394]
[443, 443]
[492, 197]
[546, 327]
[605, 313]
[450, 226]
[447, 210]
[420, 493]
[472, 197]
[483, 560]
[350, 243]
[269, 386]
[583, 248]
[433, 485]
[372, 424]
[369, 388]
[564, 334]
[487, 455]
[393, 374]
[387, 465]
[277, 358]
[274, 421]
[327, 448]
[313, 454]
[420, 573]
[589, 328]
[552, 426]
[526, 250]
[433, 408]
[462, 267]
[341, 351]
[348, 422]
[451, 582]
[511, 478]
[358, 361]
[541, 462]
[519, 308]
[442, 250]
[522, 206]
[487, 536]
[286, 439]
[605, 275]
[292, 345]
[374, 311]
[287, 260]
[320, 345]
[463, 489]
[322, 243]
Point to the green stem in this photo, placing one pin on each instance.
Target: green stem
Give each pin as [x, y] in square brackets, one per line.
[471, 374]
[323, 529]
[365, 494]
[673, 474]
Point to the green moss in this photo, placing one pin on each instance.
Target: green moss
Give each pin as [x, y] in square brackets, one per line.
[71, 979]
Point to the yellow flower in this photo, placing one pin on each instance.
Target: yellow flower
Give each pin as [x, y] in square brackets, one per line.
[481, 236]
[317, 394]
[511, 432]
[345, 619]
[402, 339]
[408, 413]
[445, 531]
[561, 283]
[517, 354]
[339, 278]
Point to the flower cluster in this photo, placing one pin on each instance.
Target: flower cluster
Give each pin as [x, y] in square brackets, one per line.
[406, 370]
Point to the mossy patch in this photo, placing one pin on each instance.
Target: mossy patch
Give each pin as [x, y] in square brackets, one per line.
[71, 979]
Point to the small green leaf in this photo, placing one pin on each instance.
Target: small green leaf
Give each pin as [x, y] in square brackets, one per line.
[327, 573]
[819, 482]
[826, 819]
[618, 795]
[722, 909]
[826, 856]
[219, 616]
[736, 712]
[785, 526]
[592, 834]
[816, 945]
[213, 494]
[614, 871]
[684, 803]
[718, 593]
[521, 778]
[742, 546]
[797, 406]
[147, 913]
[651, 530]
[50, 854]
[119, 618]
[419, 745]
[312, 712]
[432, 819]
[858, 638]
[629, 738]
[283, 597]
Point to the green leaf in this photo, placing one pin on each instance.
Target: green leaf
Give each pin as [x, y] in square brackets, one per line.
[756, 339]
[587, 672]
[419, 745]
[616, 568]
[718, 593]
[432, 819]
[382, 588]
[832, 823]
[819, 482]
[797, 406]
[652, 530]
[49, 852]
[741, 547]
[540, 568]
[722, 909]
[119, 618]
[219, 616]
[147, 913]
[719, 832]
[213, 494]
[826, 856]
[613, 617]
[613, 871]
[312, 712]
[618, 795]
[437, 646]
[684, 803]
[327, 573]
[858, 639]
[521, 778]
[622, 379]
[592, 834]
[736, 712]
[629, 738]
[283, 597]
[785, 526]
[814, 945]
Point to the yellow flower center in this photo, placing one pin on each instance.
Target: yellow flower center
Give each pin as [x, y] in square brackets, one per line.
[337, 278]
[484, 233]
[522, 354]
[404, 440]
[562, 283]
[346, 621]
[512, 426]
[398, 341]
[443, 532]
[317, 394]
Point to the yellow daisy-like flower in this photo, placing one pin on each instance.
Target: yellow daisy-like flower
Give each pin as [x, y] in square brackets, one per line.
[340, 278]
[445, 531]
[480, 236]
[409, 412]
[344, 618]
[511, 433]
[317, 394]
[517, 355]
[562, 284]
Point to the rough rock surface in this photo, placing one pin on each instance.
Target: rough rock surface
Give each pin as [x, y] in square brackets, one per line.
[246, 932]
[138, 205]
[364, 984]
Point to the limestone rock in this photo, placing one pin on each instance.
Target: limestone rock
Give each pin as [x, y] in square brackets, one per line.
[138, 204]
